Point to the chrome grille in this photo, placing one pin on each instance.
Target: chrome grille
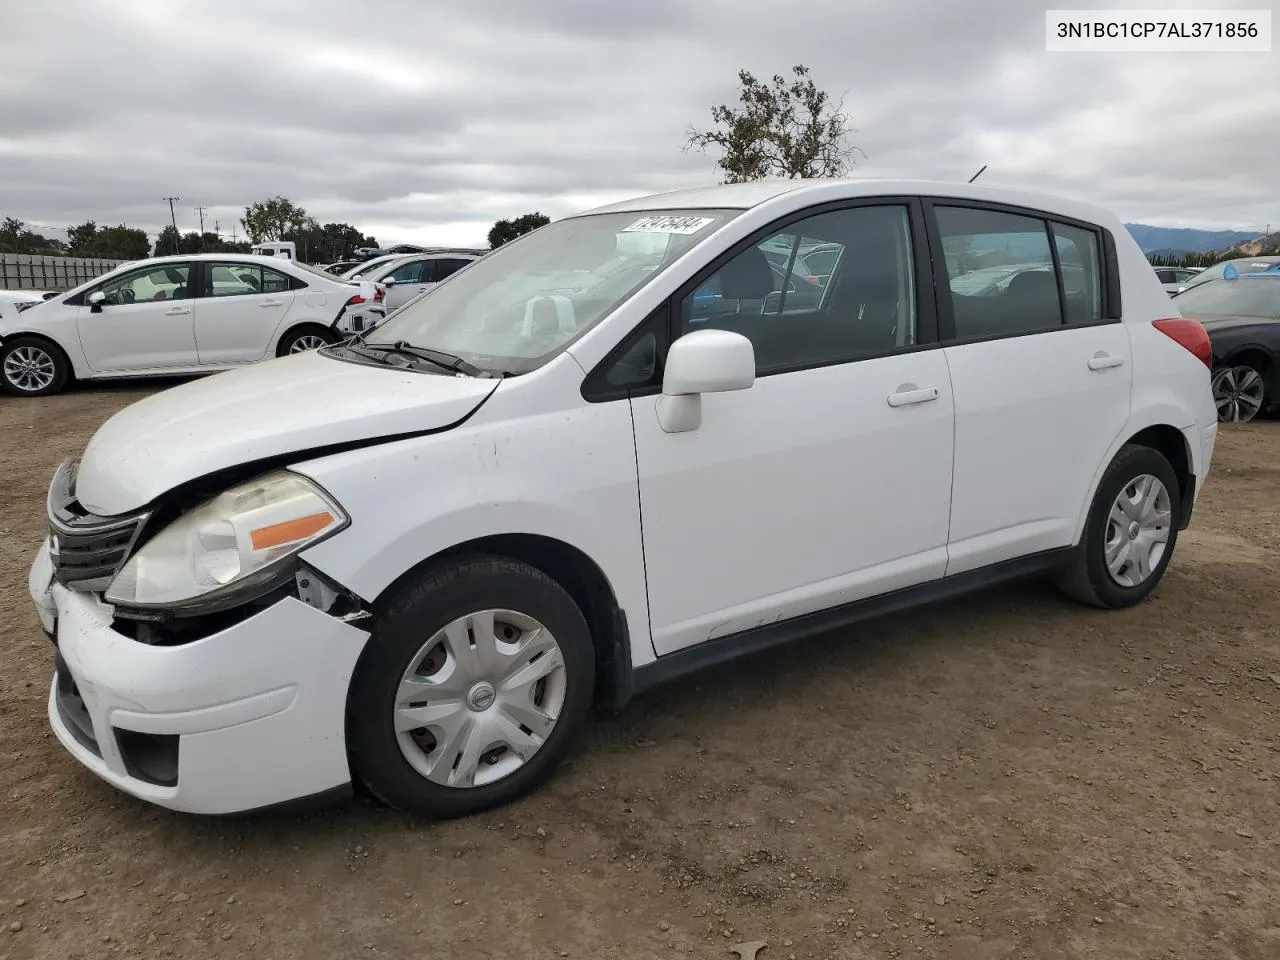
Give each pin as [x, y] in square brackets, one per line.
[87, 551]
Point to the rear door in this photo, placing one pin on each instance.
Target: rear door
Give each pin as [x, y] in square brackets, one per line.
[240, 308]
[145, 322]
[1041, 370]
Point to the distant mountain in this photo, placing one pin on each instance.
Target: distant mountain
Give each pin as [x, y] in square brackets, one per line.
[1176, 240]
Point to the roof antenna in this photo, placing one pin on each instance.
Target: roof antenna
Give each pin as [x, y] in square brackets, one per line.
[978, 174]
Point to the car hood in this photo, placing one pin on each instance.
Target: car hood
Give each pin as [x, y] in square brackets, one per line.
[297, 403]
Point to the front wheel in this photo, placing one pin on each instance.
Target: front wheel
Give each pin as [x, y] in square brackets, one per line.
[31, 367]
[302, 339]
[1130, 532]
[1239, 392]
[475, 683]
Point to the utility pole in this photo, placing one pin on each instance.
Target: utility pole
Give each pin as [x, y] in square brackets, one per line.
[216, 232]
[200, 211]
[173, 219]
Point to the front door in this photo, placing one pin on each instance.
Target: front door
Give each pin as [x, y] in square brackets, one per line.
[145, 322]
[241, 306]
[1042, 374]
[829, 479]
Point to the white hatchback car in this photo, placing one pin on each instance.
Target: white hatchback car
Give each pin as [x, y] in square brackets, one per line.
[177, 315]
[615, 450]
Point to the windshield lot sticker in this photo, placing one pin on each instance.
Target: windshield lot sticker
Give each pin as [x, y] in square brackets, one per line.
[681, 225]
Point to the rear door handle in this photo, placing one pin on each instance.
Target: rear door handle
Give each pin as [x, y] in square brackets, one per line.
[177, 312]
[909, 393]
[269, 303]
[1104, 361]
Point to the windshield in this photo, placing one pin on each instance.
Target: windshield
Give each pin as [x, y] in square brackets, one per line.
[515, 308]
[1247, 297]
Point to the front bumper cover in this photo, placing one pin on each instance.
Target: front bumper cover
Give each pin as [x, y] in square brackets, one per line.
[250, 717]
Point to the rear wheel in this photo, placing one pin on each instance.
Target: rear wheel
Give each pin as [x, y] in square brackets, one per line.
[1239, 391]
[476, 681]
[32, 367]
[302, 339]
[1130, 533]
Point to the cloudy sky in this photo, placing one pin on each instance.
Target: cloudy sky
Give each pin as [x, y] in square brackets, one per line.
[427, 121]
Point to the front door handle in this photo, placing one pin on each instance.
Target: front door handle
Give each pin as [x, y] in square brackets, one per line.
[909, 393]
[177, 312]
[1104, 361]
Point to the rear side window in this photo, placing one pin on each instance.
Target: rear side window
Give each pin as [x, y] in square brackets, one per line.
[1081, 264]
[1000, 273]
[448, 267]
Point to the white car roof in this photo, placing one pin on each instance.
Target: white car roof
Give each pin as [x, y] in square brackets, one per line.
[741, 196]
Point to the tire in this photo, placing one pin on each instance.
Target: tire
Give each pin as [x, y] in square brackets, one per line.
[1239, 392]
[33, 367]
[296, 340]
[394, 760]
[1089, 579]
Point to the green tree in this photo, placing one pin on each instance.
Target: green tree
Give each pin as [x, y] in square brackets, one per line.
[787, 128]
[17, 237]
[111, 243]
[504, 231]
[333, 241]
[271, 219]
[167, 243]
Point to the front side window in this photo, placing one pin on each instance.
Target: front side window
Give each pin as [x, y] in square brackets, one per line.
[999, 272]
[865, 306]
[519, 306]
[410, 272]
[167, 282]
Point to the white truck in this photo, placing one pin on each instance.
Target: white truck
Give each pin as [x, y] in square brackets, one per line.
[280, 248]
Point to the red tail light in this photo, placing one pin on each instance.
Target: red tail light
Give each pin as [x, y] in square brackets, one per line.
[382, 292]
[355, 300]
[1190, 334]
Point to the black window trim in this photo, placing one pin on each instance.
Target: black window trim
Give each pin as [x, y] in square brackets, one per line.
[1110, 276]
[595, 389]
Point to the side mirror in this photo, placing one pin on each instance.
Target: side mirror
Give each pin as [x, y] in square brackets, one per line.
[96, 300]
[705, 361]
[389, 282]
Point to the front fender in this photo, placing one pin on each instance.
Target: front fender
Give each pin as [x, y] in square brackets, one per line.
[568, 475]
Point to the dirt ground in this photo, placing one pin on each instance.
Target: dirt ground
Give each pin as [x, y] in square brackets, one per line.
[1005, 776]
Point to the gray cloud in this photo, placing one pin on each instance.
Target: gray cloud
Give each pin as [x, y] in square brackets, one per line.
[422, 120]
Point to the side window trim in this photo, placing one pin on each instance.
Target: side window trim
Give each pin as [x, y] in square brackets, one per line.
[1110, 277]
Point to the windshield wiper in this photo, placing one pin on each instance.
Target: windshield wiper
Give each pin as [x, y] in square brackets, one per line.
[446, 361]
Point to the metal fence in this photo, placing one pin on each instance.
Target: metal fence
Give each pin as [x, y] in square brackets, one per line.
[23, 271]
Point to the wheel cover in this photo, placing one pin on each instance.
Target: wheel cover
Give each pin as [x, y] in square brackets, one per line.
[29, 368]
[308, 341]
[1238, 393]
[1138, 529]
[480, 698]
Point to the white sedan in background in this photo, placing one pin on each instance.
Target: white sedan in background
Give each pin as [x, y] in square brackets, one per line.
[404, 278]
[179, 315]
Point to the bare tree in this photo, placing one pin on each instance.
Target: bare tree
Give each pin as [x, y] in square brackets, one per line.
[787, 128]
